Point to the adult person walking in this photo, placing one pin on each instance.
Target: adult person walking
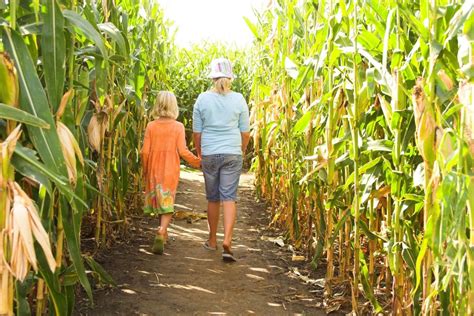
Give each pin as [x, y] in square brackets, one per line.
[221, 135]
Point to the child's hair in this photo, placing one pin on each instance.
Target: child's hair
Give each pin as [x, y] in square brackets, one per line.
[222, 85]
[166, 105]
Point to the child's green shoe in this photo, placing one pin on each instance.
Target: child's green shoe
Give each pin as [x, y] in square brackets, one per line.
[158, 245]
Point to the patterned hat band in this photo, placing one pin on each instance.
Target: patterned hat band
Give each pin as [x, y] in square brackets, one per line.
[221, 67]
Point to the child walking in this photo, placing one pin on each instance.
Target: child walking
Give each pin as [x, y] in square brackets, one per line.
[163, 146]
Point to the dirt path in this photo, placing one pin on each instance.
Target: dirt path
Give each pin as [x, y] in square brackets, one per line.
[190, 280]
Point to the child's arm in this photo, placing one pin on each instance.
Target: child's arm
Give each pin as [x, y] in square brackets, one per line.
[197, 143]
[197, 128]
[184, 151]
[146, 149]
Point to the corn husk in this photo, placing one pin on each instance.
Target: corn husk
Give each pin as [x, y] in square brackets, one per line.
[62, 105]
[447, 81]
[466, 97]
[96, 129]
[24, 226]
[70, 149]
[425, 124]
[9, 93]
[8, 146]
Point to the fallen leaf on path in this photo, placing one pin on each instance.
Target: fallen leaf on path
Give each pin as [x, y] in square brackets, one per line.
[277, 240]
[297, 258]
[332, 308]
[307, 280]
[190, 217]
[254, 249]
[320, 282]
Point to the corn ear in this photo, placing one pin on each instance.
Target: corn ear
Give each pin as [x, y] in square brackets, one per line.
[466, 97]
[93, 132]
[23, 224]
[96, 129]
[38, 230]
[425, 125]
[62, 105]
[386, 110]
[70, 149]
[9, 93]
[23, 252]
[447, 81]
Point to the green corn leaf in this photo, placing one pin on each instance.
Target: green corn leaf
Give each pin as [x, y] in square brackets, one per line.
[363, 169]
[380, 145]
[33, 100]
[302, 123]
[8, 112]
[21, 293]
[52, 283]
[28, 156]
[368, 288]
[111, 30]
[53, 48]
[29, 171]
[458, 20]
[46, 142]
[69, 276]
[388, 29]
[104, 277]
[371, 235]
[72, 236]
[338, 226]
[414, 21]
[89, 31]
[252, 27]
[70, 292]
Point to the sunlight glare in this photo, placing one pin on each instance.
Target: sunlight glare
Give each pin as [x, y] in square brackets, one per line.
[212, 20]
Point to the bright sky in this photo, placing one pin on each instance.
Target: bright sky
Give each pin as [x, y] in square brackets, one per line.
[211, 20]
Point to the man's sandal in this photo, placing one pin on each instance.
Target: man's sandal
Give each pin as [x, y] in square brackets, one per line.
[227, 255]
[207, 247]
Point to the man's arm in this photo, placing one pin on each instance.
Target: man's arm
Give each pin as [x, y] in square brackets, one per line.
[197, 143]
[245, 141]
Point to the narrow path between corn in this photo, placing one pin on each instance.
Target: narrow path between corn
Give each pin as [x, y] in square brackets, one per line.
[190, 280]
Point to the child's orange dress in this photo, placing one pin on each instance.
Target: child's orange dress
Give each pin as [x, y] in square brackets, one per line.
[163, 145]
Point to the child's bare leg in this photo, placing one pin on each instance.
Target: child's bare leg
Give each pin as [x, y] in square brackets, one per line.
[165, 220]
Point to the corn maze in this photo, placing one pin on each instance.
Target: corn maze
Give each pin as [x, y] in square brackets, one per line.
[362, 121]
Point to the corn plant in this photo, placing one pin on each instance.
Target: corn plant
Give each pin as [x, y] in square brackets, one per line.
[189, 69]
[76, 78]
[352, 169]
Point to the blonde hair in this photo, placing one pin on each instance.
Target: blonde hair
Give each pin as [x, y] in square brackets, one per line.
[166, 105]
[222, 85]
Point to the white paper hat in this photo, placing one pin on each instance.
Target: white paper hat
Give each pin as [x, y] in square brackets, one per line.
[221, 67]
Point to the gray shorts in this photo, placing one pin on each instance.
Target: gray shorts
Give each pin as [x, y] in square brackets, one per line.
[221, 176]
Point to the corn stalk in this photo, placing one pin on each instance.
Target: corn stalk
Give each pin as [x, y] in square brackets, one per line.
[398, 169]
